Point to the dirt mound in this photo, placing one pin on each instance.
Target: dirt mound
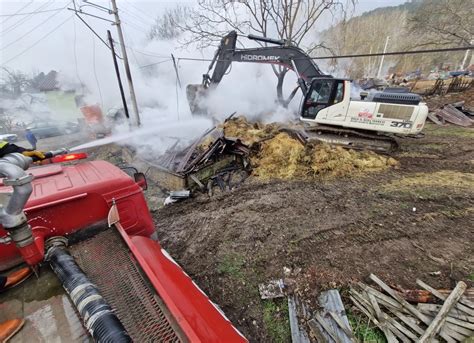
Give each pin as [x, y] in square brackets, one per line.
[277, 155]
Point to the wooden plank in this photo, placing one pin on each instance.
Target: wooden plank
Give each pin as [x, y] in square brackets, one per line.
[382, 296]
[388, 334]
[412, 309]
[297, 335]
[392, 323]
[342, 325]
[387, 320]
[441, 296]
[409, 321]
[455, 313]
[316, 331]
[455, 324]
[406, 335]
[327, 328]
[439, 320]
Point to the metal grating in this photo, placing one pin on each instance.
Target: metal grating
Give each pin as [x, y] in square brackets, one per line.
[107, 262]
[396, 112]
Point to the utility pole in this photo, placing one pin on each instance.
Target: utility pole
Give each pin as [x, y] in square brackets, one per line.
[465, 57]
[125, 62]
[117, 72]
[381, 60]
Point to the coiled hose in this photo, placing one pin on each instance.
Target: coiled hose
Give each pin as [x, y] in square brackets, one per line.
[98, 317]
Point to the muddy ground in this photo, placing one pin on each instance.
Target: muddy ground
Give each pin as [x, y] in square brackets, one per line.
[400, 224]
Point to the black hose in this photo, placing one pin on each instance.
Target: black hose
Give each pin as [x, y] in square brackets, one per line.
[98, 317]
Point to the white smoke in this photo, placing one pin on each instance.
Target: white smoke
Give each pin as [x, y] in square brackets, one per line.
[84, 64]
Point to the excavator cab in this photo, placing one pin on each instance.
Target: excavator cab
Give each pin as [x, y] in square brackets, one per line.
[323, 92]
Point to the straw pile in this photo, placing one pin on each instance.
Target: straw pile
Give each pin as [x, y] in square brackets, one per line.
[249, 133]
[279, 156]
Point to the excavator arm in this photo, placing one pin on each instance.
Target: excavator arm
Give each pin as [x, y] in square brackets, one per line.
[283, 54]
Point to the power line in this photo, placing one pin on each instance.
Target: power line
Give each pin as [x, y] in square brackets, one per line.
[135, 26]
[75, 56]
[427, 51]
[95, 73]
[34, 28]
[38, 41]
[21, 9]
[153, 64]
[145, 15]
[412, 52]
[146, 53]
[23, 20]
[95, 33]
[28, 13]
[141, 19]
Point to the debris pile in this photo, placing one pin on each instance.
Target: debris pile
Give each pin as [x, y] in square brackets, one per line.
[249, 133]
[276, 154]
[393, 312]
[454, 113]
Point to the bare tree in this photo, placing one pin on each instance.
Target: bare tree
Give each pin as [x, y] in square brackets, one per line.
[14, 82]
[290, 20]
[167, 26]
[443, 22]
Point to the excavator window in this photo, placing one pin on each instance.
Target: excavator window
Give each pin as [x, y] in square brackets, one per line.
[339, 92]
[322, 94]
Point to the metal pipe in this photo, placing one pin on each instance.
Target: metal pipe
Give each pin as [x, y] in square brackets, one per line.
[97, 315]
[12, 167]
[12, 217]
[266, 39]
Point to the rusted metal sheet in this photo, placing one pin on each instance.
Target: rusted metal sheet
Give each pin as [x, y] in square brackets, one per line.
[333, 319]
[435, 119]
[193, 166]
[298, 334]
[452, 115]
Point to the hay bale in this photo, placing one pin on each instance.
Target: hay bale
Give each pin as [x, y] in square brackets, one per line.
[284, 157]
[336, 161]
[280, 157]
[249, 133]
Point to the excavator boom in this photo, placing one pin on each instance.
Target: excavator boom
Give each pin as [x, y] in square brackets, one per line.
[284, 54]
[328, 109]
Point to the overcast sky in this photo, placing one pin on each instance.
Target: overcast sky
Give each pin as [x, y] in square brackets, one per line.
[37, 40]
[54, 39]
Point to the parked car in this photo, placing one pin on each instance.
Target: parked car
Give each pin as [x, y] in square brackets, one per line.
[45, 129]
[9, 137]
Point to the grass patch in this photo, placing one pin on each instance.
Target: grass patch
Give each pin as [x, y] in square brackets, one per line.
[414, 154]
[364, 330]
[431, 185]
[231, 265]
[471, 277]
[450, 130]
[276, 320]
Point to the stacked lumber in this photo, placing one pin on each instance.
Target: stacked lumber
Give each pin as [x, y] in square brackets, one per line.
[452, 319]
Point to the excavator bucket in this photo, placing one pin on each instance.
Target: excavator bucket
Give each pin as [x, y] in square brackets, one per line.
[196, 93]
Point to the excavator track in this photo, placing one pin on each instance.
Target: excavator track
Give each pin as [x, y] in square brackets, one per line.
[349, 138]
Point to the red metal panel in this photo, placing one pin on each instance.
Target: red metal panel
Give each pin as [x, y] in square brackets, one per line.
[68, 198]
[197, 316]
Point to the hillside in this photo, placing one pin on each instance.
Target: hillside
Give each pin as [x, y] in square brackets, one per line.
[415, 25]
